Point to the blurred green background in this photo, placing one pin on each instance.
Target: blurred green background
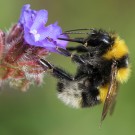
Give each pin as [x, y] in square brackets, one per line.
[38, 111]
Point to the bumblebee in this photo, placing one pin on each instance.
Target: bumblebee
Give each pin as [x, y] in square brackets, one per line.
[102, 63]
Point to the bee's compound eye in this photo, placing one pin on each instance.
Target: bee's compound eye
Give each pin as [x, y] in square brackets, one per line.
[106, 39]
[99, 37]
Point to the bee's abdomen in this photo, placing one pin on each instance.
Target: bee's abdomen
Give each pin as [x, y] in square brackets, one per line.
[123, 62]
[77, 95]
[123, 69]
[90, 98]
[69, 93]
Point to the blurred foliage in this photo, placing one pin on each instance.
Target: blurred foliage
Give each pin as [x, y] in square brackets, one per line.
[38, 111]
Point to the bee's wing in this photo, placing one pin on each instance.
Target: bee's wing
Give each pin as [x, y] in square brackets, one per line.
[112, 92]
[113, 104]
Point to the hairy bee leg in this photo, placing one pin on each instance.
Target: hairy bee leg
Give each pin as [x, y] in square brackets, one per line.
[76, 58]
[55, 71]
[64, 52]
[78, 49]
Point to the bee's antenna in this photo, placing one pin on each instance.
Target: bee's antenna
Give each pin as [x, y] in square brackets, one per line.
[78, 31]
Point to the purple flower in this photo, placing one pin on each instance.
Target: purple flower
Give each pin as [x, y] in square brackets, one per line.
[35, 32]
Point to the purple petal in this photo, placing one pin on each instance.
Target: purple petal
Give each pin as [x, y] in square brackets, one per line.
[35, 32]
[52, 31]
[28, 21]
[24, 9]
[40, 19]
[30, 39]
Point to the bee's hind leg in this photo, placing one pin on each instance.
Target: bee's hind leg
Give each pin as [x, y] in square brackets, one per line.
[55, 71]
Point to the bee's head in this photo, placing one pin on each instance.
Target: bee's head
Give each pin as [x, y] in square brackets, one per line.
[96, 38]
[99, 38]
